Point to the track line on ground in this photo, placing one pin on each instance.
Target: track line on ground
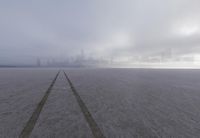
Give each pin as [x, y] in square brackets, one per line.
[35, 115]
[88, 116]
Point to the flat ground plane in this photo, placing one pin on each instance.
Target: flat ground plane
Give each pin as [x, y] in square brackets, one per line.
[111, 103]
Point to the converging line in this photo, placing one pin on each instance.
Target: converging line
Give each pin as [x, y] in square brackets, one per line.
[34, 117]
[93, 125]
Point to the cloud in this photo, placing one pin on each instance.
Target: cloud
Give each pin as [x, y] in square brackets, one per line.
[106, 28]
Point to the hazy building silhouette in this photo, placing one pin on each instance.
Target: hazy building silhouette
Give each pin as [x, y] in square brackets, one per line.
[38, 62]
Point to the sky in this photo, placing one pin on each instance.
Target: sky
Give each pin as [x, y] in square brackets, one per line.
[126, 31]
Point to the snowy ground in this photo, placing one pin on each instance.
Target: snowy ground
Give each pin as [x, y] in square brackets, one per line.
[125, 103]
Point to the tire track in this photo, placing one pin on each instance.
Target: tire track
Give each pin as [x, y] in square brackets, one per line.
[34, 117]
[88, 116]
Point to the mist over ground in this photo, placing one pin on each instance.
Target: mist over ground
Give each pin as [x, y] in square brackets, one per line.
[106, 33]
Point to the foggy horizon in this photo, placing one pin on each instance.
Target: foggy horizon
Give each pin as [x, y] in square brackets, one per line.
[106, 33]
[99, 68]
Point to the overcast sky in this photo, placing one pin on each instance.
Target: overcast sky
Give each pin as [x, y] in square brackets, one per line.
[121, 29]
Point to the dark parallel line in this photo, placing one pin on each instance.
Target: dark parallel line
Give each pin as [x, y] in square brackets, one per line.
[88, 116]
[34, 117]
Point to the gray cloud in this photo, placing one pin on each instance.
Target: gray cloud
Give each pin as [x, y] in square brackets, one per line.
[121, 29]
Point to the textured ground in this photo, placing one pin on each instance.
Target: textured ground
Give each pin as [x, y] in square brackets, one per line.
[61, 116]
[20, 92]
[142, 103]
[125, 103]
